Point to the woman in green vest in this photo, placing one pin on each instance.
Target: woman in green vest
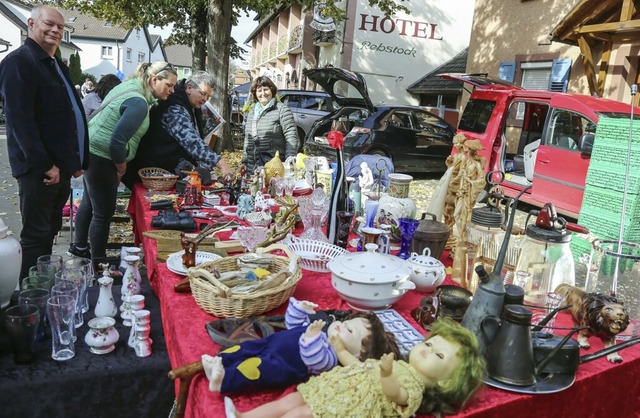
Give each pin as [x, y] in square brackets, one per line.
[114, 134]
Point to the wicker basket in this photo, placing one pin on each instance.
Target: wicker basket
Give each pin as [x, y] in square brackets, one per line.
[156, 178]
[217, 299]
[314, 255]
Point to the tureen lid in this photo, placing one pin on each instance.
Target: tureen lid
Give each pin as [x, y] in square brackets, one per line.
[369, 267]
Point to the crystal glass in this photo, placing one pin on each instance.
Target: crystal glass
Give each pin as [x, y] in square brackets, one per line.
[278, 185]
[289, 184]
[407, 229]
[250, 236]
[312, 209]
[87, 266]
[344, 228]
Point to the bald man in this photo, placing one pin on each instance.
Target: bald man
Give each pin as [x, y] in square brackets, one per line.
[46, 131]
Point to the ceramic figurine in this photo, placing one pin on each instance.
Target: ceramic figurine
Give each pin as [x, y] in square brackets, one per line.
[444, 371]
[245, 205]
[605, 316]
[106, 305]
[273, 168]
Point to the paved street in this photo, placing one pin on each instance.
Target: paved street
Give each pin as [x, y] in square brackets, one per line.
[9, 203]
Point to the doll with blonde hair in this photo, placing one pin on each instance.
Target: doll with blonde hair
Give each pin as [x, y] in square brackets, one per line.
[441, 375]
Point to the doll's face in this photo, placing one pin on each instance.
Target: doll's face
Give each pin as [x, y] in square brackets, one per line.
[352, 332]
[435, 359]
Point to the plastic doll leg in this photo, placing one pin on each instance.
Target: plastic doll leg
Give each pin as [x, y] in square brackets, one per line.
[276, 409]
[214, 371]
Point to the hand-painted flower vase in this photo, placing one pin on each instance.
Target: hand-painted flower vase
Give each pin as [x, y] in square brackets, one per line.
[131, 280]
[102, 336]
[344, 219]
[106, 305]
[338, 201]
[408, 227]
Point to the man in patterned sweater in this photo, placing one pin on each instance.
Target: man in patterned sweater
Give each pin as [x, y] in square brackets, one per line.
[290, 356]
[176, 131]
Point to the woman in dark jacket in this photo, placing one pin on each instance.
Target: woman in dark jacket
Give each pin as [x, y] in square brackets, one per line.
[270, 127]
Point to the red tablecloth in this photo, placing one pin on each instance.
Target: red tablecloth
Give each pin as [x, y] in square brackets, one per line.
[601, 388]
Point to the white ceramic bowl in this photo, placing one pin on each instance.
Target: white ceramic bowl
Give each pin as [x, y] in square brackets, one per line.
[426, 272]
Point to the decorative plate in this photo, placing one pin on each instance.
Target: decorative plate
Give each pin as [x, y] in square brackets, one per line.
[174, 261]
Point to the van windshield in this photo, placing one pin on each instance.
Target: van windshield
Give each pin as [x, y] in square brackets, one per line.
[476, 115]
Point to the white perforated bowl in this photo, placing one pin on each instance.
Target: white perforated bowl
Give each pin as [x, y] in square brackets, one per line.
[314, 255]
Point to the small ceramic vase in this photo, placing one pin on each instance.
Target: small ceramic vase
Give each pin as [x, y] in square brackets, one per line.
[130, 303]
[106, 305]
[143, 342]
[131, 280]
[102, 336]
[139, 319]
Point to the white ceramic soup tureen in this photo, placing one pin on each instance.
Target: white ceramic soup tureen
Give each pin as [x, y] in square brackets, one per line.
[370, 280]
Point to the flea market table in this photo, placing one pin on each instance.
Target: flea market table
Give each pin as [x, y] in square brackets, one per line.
[600, 389]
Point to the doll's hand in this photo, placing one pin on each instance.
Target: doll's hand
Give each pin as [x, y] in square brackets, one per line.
[309, 307]
[314, 329]
[386, 364]
[337, 343]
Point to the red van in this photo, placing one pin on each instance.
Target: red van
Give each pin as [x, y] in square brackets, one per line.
[538, 138]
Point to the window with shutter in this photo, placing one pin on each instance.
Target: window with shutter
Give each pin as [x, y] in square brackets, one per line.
[559, 78]
[536, 75]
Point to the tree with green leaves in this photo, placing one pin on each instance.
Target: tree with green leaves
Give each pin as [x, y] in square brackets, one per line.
[75, 69]
[206, 26]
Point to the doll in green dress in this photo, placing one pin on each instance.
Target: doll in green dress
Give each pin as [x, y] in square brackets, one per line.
[441, 375]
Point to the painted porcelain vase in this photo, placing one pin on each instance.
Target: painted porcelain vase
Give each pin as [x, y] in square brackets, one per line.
[102, 336]
[106, 305]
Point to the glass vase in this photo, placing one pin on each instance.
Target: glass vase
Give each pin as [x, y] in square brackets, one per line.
[408, 227]
[344, 219]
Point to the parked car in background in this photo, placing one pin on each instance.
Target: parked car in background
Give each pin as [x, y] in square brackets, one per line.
[415, 139]
[307, 107]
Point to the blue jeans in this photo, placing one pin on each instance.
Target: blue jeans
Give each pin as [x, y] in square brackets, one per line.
[41, 210]
[97, 207]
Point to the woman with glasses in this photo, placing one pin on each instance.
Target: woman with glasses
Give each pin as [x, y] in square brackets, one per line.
[115, 131]
[270, 127]
[176, 131]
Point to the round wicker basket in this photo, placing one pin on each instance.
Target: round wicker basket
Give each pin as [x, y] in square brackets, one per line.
[217, 299]
[156, 178]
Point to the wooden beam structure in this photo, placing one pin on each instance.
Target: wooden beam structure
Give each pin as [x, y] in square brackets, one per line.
[589, 66]
[627, 10]
[609, 27]
[604, 67]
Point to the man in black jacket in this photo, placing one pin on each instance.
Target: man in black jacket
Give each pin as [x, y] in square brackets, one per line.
[47, 135]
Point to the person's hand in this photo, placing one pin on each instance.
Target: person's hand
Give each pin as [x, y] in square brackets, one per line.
[78, 174]
[226, 170]
[314, 329]
[121, 169]
[337, 343]
[52, 176]
[386, 365]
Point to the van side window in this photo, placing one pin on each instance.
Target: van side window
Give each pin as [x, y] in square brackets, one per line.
[524, 125]
[565, 129]
[476, 115]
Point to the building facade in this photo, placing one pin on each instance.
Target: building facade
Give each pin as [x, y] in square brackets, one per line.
[390, 52]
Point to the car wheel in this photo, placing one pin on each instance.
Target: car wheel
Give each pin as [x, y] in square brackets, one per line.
[300, 139]
[379, 152]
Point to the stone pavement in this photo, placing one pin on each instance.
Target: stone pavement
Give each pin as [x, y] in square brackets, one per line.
[10, 204]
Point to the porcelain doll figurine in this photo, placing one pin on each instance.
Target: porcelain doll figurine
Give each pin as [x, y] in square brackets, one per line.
[290, 356]
[442, 373]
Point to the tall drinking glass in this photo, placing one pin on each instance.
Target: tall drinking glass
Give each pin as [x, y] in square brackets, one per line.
[37, 297]
[79, 276]
[86, 265]
[49, 264]
[60, 310]
[68, 288]
[21, 323]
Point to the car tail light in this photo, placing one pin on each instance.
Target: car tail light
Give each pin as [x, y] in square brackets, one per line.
[359, 130]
